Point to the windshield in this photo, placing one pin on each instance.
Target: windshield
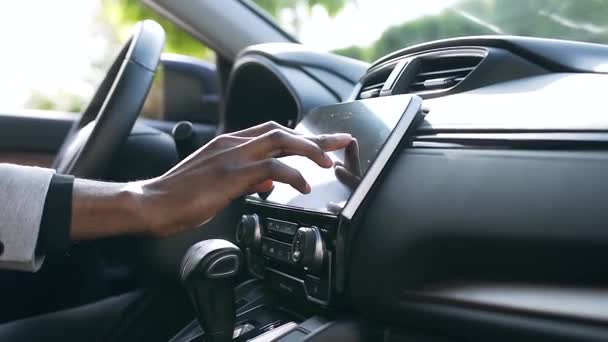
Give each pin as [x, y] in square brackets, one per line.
[369, 29]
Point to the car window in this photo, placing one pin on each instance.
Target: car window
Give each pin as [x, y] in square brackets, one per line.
[54, 53]
[369, 29]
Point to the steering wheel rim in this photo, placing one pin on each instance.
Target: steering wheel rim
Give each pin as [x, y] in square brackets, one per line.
[110, 115]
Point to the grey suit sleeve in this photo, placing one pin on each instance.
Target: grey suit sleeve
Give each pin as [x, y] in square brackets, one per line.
[22, 194]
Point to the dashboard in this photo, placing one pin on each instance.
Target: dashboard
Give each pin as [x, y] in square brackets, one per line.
[297, 241]
[497, 192]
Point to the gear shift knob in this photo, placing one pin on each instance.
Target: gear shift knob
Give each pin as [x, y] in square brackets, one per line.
[208, 272]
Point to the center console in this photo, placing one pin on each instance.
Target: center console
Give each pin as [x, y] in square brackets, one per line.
[292, 251]
[298, 244]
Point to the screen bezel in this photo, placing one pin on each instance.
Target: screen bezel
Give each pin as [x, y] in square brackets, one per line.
[392, 142]
[412, 109]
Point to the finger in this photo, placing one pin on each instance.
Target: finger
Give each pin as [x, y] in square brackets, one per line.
[280, 143]
[224, 142]
[277, 171]
[351, 158]
[331, 142]
[266, 127]
[346, 177]
[265, 186]
[212, 148]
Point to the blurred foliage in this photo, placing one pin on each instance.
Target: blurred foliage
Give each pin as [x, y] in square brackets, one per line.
[118, 18]
[59, 100]
[273, 7]
[566, 19]
[123, 14]
[448, 24]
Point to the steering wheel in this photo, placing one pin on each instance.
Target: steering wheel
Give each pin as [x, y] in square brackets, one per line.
[110, 115]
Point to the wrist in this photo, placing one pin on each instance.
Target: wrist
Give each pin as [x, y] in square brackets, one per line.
[161, 211]
[106, 209]
[149, 207]
[131, 200]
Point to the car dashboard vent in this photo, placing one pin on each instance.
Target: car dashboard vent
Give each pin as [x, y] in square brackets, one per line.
[429, 73]
[442, 73]
[374, 82]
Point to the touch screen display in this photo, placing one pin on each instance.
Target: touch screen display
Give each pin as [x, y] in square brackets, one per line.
[370, 122]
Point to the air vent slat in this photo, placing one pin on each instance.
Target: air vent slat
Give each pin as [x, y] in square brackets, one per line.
[443, 72]
[432, 72]
[368, 94]
[373, 86]
[446, 72]
[373, 83]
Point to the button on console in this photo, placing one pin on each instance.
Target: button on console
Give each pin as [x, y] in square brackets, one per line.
[308, 249]
[248, 232]
[276, 249]
[286, 284]
[317, 288]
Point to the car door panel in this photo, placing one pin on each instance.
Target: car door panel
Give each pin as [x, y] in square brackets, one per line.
[33, 137]
[33, 132]
[27, 158]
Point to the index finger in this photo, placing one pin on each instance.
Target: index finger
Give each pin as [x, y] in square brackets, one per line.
[331, 142]
[279, 143]
[260, 129]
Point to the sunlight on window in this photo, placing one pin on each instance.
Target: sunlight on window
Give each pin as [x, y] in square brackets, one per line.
[51, 50]
[369, 29]
[56, 52]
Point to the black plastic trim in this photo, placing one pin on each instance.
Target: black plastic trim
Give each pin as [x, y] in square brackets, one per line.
[576, 140]
[479, 324]
[574, 304]
[295, 87]
[556, 55]
[496, 66]
[350, 70]
[34, 131]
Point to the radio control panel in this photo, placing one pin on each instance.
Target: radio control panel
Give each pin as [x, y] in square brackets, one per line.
[292, 251]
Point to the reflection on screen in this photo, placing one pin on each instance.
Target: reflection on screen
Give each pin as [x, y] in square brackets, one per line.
[370, 122]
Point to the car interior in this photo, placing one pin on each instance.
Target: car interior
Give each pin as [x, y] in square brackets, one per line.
[471, 210]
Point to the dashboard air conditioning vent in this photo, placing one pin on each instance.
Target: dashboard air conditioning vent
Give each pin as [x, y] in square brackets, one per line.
[436, 73]
[373, 83]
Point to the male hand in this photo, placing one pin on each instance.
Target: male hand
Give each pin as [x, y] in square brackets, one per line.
[226, 168]
[196, 189]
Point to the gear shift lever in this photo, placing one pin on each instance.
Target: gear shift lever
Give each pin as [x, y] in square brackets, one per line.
[208, 272]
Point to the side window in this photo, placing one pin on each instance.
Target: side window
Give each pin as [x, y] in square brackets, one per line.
[370, 29]
[55, 53]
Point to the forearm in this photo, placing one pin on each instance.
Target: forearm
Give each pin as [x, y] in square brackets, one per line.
[200, 186]
[101, 209]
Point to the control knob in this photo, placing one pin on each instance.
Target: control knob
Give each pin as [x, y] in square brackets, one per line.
[308, 249]
[248, 232]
